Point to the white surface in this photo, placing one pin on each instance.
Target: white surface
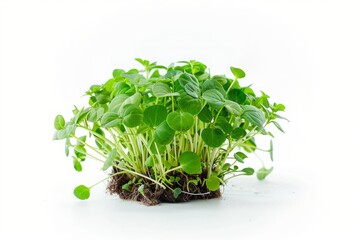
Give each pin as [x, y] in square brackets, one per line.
[302, 53]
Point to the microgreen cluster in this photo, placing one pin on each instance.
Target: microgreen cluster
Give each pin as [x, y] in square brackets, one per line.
[162, 126]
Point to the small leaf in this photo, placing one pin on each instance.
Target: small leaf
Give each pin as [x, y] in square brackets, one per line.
[238, 73]
[205, 115]
[238, 133]
[110, 119]
[154, 115]
[180, 121]
[67, 147]
[239, 156]
[177, 192]
[82, 192]
[233, 107]
[277, 125]
[163, 134]
[212, 84]
[132, 115]
[254, 115]
[192, 90]
[223, 124]
[248, 171]
[163, 90]
[213, 183]
[237, 95]
[262, 173]
[190, 162]
[213, 137]
[77, 164]
[214, 98]
[189, 104]
[59, 122]
[141, 189]
[109, 160]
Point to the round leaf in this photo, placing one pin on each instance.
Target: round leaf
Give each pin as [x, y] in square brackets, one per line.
[180, 121]
[238, 133]
[213, 183]
[155, 115]
[239, 156]
[205, 115]
[59, 122]
[132, 115]
[110, 119]
[214, 98]
[237, 95]
[163, 90]
[212, 84]
[82, 192]
[238, 73]
[163, 134]
[189, 104]
[213, 137]
[190, 162]
[262, 173]
[254, 115]
[233, 107]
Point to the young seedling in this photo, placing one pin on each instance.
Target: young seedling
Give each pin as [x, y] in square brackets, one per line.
[169, 134]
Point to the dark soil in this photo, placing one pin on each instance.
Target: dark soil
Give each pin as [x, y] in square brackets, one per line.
[154, 195]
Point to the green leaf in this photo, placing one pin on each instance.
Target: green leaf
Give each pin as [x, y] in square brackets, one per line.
[109, 160]
[205, 115]
[116, 103]
[248, 171]
[190, 162]
[154, 115]
[95, 114]
[163, 134]
[213, 183]
[277, 125]
[177, 192]
[237, 95]
[239, 156]
[262, 173]
[180, 121]
[213, 137]
[110, 119]
[238, 73]
[186, 78]
[214, 98]
[212, 84]
[135, 99]
[163, 90]
[80, 152]
[67, 146]
[220, 79]
[132, 115]
[238, 133]
[192, 90]
[189, 104]
[82, 192]
[233, 107]
[141, 189]
[254, 115]
[149, 161]
[278, 107]
[117, 72]
[59, 122]
[77, 164]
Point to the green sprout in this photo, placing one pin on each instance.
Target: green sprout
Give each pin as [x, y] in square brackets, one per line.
[169, 133]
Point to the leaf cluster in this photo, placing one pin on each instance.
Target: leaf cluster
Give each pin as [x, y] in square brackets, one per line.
[158, 122]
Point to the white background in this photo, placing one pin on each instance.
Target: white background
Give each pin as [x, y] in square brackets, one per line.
[302, 53]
